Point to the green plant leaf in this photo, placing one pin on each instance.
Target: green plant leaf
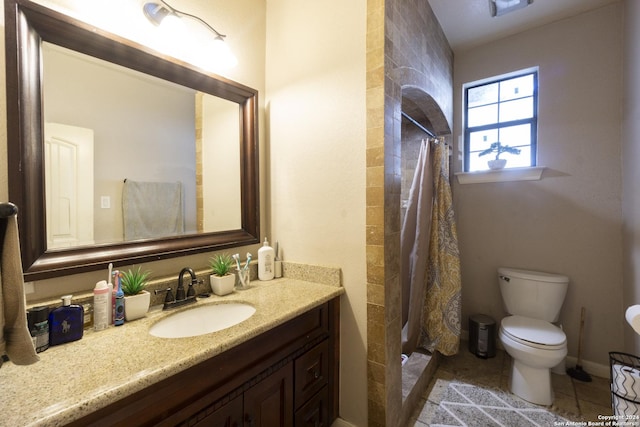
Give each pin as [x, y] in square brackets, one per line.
[134, 281]
[220, 264]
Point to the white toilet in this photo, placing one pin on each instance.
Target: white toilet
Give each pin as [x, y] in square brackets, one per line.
[534, 300]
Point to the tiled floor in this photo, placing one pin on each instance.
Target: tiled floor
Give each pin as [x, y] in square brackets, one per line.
[574, 400]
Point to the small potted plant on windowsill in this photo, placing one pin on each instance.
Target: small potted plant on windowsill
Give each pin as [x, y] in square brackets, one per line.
[222, 280]
[136, 298]
[498, 148]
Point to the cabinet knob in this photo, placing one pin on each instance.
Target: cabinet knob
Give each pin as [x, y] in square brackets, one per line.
[316, 375]
[248, 419]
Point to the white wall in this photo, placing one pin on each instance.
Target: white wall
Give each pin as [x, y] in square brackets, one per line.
[316, 159]
[631, 172]
[570, 222]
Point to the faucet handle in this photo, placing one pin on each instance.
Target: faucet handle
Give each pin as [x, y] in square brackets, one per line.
[169, 297]
[191, 291]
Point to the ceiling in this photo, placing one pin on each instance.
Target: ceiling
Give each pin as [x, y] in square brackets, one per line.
[468, 23]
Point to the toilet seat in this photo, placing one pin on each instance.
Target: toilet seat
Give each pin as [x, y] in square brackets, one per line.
[534, 333]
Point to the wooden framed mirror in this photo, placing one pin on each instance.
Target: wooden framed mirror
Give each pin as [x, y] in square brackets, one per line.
[28, 28]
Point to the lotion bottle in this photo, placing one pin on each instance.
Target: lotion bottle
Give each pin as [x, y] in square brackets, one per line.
[266, 257]
[101, 306]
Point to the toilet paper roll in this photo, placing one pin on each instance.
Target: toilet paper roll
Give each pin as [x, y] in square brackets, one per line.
[633, 317]
[626, 381]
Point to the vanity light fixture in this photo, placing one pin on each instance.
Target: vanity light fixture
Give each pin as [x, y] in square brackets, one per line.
[159, 12]
[500, 7]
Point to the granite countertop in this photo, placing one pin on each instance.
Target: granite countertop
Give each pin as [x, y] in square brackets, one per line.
[77, 378]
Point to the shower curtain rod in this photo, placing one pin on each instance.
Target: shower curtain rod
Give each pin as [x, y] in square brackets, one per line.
[7, 209]
[415, 122]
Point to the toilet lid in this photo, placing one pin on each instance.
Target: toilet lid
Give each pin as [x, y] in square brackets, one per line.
[535, 332]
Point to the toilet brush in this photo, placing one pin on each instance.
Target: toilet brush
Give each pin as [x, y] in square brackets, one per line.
[578, 373]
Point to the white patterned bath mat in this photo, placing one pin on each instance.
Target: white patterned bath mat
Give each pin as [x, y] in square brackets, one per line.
[463, 405]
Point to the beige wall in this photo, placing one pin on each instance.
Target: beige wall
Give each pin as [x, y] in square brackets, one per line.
[570, 221]
[312, 154]
[315, 158]
[631, 172]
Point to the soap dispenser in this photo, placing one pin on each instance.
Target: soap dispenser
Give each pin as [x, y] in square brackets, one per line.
[266, 257]
[66, 323]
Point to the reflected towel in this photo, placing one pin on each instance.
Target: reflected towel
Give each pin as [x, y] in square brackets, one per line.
[15, 340]
[152, 209]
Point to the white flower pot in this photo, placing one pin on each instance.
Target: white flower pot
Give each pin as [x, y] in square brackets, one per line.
[222, 285]
[496, 164]
[136, 306]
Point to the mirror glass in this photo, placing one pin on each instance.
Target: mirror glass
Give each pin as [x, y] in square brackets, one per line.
[88, 110]
[113, 133]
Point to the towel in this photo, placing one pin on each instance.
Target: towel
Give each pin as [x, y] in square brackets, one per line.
[15, 340]
[152, 209]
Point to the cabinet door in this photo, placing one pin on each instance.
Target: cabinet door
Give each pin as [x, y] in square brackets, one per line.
[229, 415]
[270, 402]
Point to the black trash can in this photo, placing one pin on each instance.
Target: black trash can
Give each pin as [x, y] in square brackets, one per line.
[482, 336]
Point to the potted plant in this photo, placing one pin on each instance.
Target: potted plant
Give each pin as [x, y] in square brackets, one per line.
[498, 148]
[136, 298]
[222, 280]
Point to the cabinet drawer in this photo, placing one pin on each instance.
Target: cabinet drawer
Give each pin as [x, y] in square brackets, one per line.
[311, 373]
[315, 413]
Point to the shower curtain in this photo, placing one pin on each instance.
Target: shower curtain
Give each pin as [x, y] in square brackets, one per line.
[414, 241]
[431, 270]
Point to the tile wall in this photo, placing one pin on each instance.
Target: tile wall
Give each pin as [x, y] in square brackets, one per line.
[406, 52]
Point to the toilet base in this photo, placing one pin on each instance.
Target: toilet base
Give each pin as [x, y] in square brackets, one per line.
[531, 384]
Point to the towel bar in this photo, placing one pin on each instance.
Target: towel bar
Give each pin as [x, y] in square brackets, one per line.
[8, 209]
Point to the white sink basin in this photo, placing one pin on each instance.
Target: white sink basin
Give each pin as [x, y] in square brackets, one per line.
[202, 320]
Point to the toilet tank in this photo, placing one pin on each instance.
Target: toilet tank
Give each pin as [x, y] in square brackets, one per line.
[532, 293]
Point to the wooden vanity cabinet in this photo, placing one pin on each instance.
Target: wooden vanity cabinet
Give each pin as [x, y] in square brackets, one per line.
[287, 376]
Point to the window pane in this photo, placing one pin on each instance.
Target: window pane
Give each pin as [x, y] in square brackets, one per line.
[477, 163]
[518, 161]
[516, 110]
[482, 115]
[479, 141]
[516, 136]
[482, 95]
[516, 88]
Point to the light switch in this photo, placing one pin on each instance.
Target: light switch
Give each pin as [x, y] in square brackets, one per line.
[105, 202]
[29, 287]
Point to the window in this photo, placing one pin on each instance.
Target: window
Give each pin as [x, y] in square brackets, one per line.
[505, 110]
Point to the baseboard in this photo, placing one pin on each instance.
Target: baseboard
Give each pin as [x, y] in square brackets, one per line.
[592, 368]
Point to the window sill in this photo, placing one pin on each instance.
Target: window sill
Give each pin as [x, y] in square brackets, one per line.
[504, 175]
